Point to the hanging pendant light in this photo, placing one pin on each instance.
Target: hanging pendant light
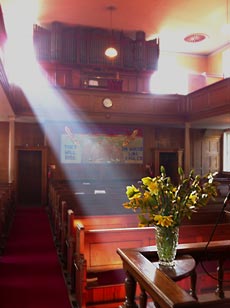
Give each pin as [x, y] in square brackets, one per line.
[111, 51]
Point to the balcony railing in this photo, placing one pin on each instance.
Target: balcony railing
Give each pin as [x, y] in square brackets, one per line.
[208, 286]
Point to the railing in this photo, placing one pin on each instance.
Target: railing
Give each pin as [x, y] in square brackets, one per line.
[137, 263]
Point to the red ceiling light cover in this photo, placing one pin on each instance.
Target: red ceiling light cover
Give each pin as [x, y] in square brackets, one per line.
[195, 37]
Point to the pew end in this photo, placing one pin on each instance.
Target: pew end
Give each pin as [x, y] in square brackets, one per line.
[98, 267]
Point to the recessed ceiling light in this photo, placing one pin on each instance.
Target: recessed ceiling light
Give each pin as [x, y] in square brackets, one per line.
[195, 37]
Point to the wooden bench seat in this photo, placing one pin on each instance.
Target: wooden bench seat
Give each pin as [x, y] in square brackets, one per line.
[95, 252]
[6, 211]
[112, 204]
[87, 198]
[85, 205]
[90, 223]
[91, 226]
[81, 198]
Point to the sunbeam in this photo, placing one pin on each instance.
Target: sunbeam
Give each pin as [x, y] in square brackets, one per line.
[74, 139]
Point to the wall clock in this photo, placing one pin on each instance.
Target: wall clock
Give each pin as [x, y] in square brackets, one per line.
[107, 102]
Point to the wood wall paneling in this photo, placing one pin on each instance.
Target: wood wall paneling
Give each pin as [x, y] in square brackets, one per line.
[196, 151]
[75, 78]
[210, 101]
[163, 138]
[28, 134]
[205, 150]
[43, 42]
[206, 145]
[220, 95]
[210, 155]
[4, 150]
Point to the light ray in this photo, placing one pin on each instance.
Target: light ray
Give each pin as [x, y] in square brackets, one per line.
[50, 105]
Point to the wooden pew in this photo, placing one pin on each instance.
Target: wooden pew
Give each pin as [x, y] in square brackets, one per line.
[86, 198]
[68, 241]
[70, 219]
[6, 211]
[98, 270]
[80, 197]
[66, 226]
[85, 205]
[95, 257]
[69, 212]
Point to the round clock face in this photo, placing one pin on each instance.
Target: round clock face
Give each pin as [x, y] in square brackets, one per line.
[107, 102]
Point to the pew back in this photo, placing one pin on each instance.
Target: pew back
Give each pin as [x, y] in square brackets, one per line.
[95, 254]
[99, 246]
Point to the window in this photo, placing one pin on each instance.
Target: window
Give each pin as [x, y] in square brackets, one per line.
[226, 151]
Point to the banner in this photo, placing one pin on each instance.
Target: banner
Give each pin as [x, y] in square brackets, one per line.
[103, 146]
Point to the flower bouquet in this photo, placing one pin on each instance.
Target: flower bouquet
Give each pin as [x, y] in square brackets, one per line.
[158, 202]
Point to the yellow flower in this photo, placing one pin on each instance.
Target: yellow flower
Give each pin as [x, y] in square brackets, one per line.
[132, 192]
[151, 184]
[159, 201]
[193, 197]
[147, 196]
[163, 221]
[141, 225]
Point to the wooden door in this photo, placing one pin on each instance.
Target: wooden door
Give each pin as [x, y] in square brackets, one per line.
[170, 162]
[29, 177]
[170, 159]
[210, 155]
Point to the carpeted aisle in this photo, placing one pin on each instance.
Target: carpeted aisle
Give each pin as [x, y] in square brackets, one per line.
[30, 272]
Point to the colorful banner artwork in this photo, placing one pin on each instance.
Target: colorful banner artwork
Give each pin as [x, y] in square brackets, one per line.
[104, 146]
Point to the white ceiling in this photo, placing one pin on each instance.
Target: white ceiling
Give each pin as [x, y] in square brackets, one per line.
[172, 20]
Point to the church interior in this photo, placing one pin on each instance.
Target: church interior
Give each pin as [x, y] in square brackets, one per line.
[95, 97]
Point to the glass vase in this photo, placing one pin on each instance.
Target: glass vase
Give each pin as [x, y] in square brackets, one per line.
[166, 242]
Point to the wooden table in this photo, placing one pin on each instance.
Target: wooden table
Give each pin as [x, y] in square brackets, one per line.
[155, 280]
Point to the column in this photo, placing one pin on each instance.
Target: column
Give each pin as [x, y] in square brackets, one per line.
[187, 149]
[11, 164]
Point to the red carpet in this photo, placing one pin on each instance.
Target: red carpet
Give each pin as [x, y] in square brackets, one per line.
[30, 272]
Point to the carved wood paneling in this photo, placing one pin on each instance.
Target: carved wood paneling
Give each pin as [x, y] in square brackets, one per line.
[206, 154]
[4, 148]
[210, 101]
[86, 46]
[70, 43]
[43, 43]
[219, 95]
[210, 155]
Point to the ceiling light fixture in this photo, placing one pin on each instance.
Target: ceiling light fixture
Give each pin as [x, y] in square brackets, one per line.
[111, 52]
[195, 37]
